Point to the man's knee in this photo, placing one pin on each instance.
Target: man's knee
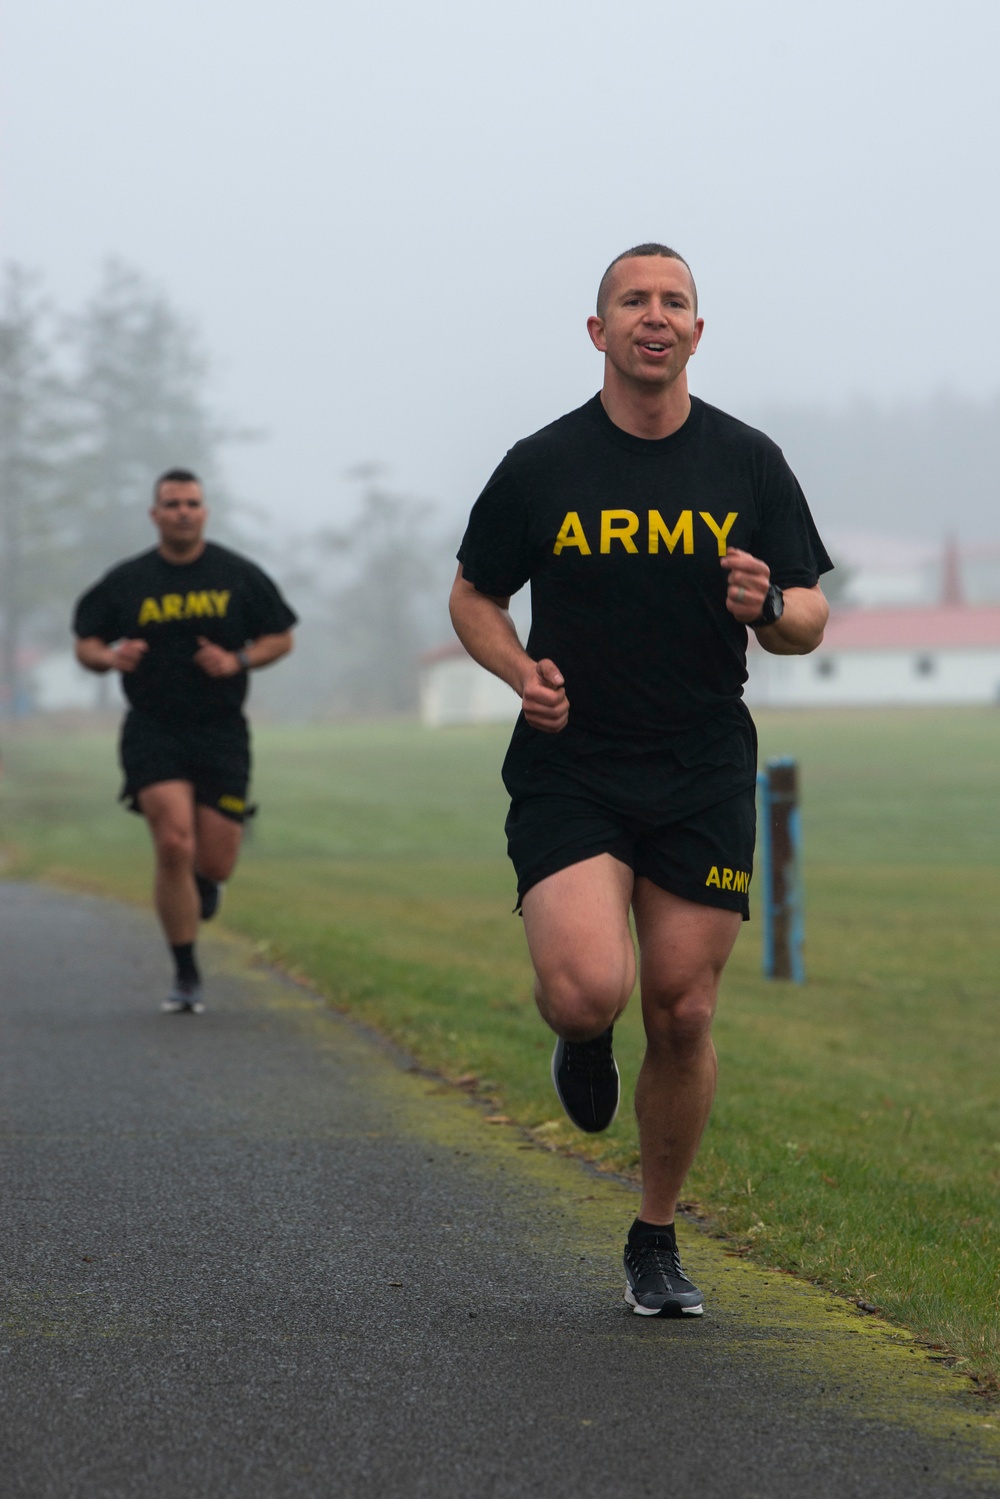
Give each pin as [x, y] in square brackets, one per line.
[680, 1021]
[580, 1006]
[174, 845]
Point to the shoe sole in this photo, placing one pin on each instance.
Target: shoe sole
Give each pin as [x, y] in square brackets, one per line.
[172, 1007]
[582, 1128]
[669, 1308]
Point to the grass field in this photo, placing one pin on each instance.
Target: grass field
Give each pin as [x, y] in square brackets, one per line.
[856, 1138]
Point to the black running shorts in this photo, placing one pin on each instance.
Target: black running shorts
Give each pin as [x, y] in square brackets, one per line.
[707, 857]
[214, 757]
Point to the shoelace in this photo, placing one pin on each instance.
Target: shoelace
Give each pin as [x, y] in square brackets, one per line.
[592, 1058]
[661, 1259]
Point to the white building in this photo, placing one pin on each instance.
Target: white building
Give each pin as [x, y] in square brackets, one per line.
[58, 682]
[944, 654]
[456, 689]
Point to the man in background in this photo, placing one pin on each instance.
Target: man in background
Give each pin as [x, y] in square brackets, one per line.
[655, 531]
[185, 624]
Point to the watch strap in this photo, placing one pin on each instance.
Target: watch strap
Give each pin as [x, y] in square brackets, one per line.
[771, 609]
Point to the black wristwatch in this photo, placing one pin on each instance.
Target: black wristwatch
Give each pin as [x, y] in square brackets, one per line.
[772, 609]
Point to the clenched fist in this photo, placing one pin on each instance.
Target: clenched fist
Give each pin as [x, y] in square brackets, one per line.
[543, 697]
[127, 654]
[215, 660]
[749, 580]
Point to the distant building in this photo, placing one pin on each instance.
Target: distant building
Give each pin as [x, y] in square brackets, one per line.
[58, 682]
[948, 654]
[50, 682]
[455, 689]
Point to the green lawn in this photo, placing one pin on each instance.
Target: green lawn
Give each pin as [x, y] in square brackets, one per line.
[856, 1138]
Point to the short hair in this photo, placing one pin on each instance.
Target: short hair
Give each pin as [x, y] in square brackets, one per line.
[174, 476]
[637, 250]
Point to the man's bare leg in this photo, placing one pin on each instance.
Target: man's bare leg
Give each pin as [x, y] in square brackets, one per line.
[683, 949]
[185, 837]
[581, 946]
[217, 847]
[576, 923]
[168, 807]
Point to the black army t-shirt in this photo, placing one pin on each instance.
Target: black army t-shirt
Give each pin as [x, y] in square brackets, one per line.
[221, 596]
[620, 538]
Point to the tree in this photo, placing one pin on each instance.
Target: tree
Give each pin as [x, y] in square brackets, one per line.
[139, 389]
[383, 614]
[34, 438]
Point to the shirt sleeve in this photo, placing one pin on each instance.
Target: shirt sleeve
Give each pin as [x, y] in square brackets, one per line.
[786, 537]
[96, 616]
[268, 612]
[495, 553]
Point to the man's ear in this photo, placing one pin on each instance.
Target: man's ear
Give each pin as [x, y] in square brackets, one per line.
[595, 327]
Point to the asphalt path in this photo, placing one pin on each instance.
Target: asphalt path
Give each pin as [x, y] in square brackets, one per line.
[255, 1253]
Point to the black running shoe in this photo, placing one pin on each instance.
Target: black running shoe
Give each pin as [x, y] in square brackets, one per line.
[657, 1286]
[210, 895]
[585, 1076]
[184, 999]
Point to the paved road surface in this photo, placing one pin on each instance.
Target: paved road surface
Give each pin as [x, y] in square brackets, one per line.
[250, 1254]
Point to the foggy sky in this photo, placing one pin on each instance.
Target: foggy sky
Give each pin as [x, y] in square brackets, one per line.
[389, 220]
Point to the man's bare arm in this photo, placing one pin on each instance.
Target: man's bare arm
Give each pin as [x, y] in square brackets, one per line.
[484, 626]
[96, 655]
[267, 649]
[806, 611]
[800, 628]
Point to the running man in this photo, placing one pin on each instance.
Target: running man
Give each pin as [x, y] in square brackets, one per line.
[654, 531]
[185, 624]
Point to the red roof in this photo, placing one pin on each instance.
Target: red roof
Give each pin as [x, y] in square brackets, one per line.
[941, 628]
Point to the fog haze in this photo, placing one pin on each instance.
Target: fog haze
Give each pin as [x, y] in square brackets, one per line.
[389, 222]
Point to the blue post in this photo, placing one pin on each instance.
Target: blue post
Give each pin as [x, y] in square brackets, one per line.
[763, 870]
[780, 844]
